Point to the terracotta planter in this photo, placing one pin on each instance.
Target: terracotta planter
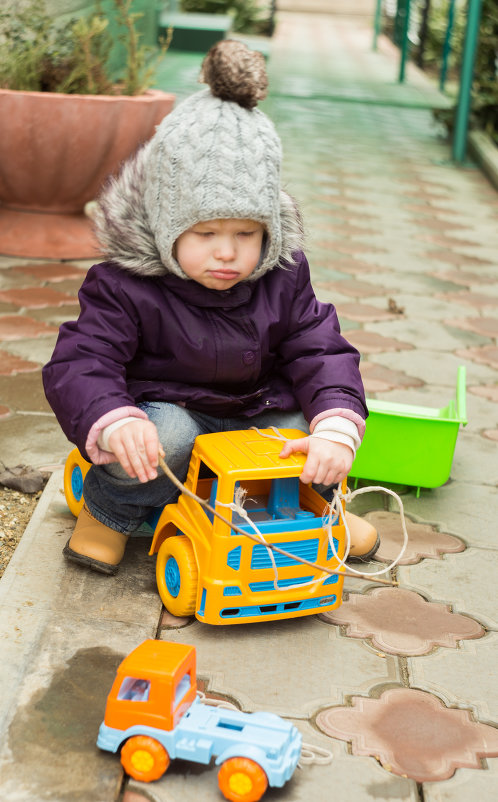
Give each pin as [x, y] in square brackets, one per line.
[55, 152]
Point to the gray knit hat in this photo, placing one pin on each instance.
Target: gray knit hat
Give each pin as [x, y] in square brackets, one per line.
[217, 156]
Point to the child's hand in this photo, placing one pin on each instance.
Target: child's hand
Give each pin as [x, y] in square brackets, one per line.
[136, 445]
[328, 463]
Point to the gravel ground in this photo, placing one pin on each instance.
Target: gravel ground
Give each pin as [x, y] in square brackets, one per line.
[16, 510]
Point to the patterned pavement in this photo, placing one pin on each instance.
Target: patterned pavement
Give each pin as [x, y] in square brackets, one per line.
[398, 685]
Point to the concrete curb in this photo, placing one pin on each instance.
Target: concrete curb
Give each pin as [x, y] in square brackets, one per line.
[63, 630]
[486, 154]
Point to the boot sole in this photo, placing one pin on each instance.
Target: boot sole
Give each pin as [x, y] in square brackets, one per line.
[89, 562]
[363, 558]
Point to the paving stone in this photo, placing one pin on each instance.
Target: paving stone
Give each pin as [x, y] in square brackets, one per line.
[343, 246]
[487, 326]
[489, 391]
[480, 410]
[50, 272]
[231, 659]
[363, 313]
[24, 392]
[39, 350]
[378, 379]
[459, 580]
[479, 300]
[407, 281]
[36, 297]
[454, 258]
[465, 278]
[420, 330]
[135, 796]
[448, 241]
[475, 460]
[11, 364]
[355, 266]
[400, 621]
[423, 207]
[357, 289]
[412, 733]
[7, 262]
[44, 441]
[426, 195]
[466, 784]
[18, 327]
[487, 355]
[464, 509]
[367, 502]
[468, 675]
[56, 316]
[429, 367]
[441, 225]
[323, 270]
[169, 621]
[345, 230]
[426, 306]
[369, 342]
[424, 540]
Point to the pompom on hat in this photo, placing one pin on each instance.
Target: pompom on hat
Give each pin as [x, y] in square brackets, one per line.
[217, 156]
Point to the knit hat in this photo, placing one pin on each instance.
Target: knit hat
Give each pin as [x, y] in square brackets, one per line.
[217, 156]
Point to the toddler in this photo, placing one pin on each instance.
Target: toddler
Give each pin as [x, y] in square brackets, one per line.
[201, 319]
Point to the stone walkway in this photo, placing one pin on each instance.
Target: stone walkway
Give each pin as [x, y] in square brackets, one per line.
[398, 684]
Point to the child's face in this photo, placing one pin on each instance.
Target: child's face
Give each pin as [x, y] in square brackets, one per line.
[220, 253]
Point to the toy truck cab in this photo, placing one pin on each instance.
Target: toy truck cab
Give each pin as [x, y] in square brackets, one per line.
[205, 568]
[153, 715]
[153, 688]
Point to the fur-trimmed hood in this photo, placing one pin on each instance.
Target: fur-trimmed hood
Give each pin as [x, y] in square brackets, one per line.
[123, 229]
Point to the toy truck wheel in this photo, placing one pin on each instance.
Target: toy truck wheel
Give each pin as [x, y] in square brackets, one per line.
[242, 780]
[177, 575]
[75, 471]
[144, 758]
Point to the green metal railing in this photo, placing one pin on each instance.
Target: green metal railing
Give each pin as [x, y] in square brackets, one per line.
[401, 39]
[466, 77]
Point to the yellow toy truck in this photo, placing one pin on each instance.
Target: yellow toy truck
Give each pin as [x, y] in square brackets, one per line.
[205, 568]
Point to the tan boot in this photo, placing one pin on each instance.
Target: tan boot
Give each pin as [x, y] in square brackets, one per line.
[95, 545]
[364, 538]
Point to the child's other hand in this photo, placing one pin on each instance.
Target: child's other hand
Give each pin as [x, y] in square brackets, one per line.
[136, 445]
[328, 463]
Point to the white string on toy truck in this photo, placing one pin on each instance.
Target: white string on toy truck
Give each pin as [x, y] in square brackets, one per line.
[337, 506]
[271, 546]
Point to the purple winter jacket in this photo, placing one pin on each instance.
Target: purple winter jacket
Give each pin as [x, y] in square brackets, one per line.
[268, 344]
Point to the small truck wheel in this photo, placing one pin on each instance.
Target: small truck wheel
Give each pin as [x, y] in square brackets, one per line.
[75, 471]
[242, 780]
[177, 575]
[144, 758]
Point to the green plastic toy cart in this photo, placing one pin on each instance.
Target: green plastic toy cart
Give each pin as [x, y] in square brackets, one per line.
[411, 445]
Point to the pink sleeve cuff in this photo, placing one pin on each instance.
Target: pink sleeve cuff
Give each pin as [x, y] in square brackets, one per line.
[97, 455]
[343, 413]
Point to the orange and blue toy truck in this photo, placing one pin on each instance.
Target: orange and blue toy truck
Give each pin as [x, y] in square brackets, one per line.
[207, 569]
[153, 715]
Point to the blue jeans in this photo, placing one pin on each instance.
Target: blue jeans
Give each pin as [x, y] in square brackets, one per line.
[124, 504]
